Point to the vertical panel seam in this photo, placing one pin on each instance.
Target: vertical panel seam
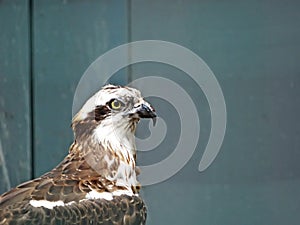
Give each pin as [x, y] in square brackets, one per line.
[31, 87]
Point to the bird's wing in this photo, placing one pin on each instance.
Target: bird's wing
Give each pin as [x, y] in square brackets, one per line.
[121, 210]
[69, 187]
[16, 208]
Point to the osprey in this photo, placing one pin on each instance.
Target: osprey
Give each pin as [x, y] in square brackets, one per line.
[96, 183]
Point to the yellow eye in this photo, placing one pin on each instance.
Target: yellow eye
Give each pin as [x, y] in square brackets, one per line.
[115, 104]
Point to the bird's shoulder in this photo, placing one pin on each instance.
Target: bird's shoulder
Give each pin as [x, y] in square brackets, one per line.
[70, 181]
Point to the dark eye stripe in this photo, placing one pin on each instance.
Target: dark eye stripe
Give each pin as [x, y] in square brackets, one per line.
[101, 111]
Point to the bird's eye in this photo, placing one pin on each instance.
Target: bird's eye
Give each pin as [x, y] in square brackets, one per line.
[115, 104]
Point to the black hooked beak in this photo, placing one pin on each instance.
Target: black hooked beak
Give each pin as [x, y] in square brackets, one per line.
[145, 111]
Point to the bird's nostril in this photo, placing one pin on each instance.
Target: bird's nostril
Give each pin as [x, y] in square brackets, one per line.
[146, 108]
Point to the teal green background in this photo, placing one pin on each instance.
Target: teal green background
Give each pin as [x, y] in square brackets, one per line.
[253, 48]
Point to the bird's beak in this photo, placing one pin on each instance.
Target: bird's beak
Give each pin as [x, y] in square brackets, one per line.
[145, 110]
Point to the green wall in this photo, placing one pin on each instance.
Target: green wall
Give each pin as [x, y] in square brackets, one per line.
[253, 48]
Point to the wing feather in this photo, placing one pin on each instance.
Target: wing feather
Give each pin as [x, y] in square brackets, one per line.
[122, 210]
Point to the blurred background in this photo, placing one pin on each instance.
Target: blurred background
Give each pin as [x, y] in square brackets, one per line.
[253, 48]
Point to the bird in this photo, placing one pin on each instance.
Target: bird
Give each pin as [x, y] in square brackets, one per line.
[96, 183]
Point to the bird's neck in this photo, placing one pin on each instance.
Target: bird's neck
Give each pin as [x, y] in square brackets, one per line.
[117, 138]
[110, 151]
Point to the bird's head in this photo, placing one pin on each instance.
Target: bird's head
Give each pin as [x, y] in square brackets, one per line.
[111, 116]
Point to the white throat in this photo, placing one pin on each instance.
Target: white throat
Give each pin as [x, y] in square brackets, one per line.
[118, 136]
